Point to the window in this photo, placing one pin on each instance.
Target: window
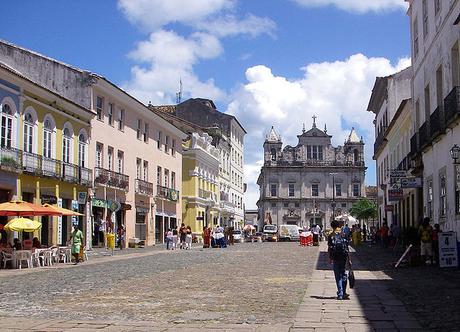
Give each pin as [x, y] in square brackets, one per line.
[427, 102]
[66, 145]
[173, 147]
[415, 32]
[320, 152]
[273, 205]
[273, 154]
[167, 144]
[28, 133]
[146, 170]
[7, 126]
[120, 161]
[99, 150]
[429, 204]
[110, 157]
[273, 190]
[47, 138]
[82, 148]
[173, 180]
[338, 189]
[425, 18]
[439, 88]
[138, 168]
[111, 110]
[308, 151]
[314, 154]
[344, 205]
[315, 190]
[442, 196]
[121, 120]
[297, 205]
[139, 128]
[166, 178]
[146, 132]
[159, 175]
[437, 6]
[356, 192]
[291, 189]
[159, 140]
[286, 205]
[99, 107]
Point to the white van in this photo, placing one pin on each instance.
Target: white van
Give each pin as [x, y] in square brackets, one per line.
[270, 233]
[289, 232]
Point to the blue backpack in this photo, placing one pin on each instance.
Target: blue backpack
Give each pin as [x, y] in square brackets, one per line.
[339, 246]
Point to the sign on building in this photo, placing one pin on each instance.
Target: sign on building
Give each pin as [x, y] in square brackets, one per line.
[396, 173]
[395, 194]
[59, 224]
[411, 182]
[448, 249]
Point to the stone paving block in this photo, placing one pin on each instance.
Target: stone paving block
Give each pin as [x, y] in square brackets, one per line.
[329, 329]
[383, 325]
[272, 328]
[358, 327]
[407, 324]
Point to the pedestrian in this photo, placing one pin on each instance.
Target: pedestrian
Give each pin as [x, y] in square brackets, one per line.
[76, 240]
[435, 243]
[384, 230]
[206, 237]
[174, 238]
[182, 236]
[169, 239]
[425, 234]
[395, 232]
[188, 238]
[364, 233]
[121, 236]
[221, 237]
[338, 257]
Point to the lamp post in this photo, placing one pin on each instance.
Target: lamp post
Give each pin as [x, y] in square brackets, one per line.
[333, 194]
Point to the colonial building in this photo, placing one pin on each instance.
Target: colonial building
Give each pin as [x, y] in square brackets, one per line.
[311, 182]
[436, 97]
[228, 137]
[392, 105]
[131, 148]
[44, 151]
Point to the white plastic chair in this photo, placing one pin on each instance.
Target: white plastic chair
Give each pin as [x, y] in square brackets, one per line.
[47, 257]
[55, 255]
[6, 257]
[22, 256]
[37, 259]
[62, 255]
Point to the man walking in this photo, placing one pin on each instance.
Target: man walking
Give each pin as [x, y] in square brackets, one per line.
[339, 256]
[425, 233]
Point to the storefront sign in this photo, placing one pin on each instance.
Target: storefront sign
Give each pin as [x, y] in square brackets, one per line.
[82, 197]
[448, 249]
[395, 194]
[59, 223]
[47, 199]
[99, 203]
[74, 208]
[396, 173]
[411, 182]
[113, 206]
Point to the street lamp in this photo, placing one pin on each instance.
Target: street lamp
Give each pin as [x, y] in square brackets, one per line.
[333, 194]
[455, 153]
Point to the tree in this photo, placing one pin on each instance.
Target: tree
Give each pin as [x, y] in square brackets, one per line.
[364, 209]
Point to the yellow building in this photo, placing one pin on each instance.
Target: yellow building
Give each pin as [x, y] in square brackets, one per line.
[200, 182]
[48, 140]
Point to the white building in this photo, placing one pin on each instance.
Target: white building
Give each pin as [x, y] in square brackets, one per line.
[436, 97]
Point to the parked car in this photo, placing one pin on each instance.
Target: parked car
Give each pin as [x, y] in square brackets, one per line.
[270, 233]
[237, 235]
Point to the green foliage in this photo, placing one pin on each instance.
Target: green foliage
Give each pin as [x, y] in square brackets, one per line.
[364, 209]
[9, 162]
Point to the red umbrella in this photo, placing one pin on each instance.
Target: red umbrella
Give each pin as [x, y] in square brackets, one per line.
[21, 208]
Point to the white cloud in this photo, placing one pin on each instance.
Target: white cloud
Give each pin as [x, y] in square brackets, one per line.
[358, 6]
[229, 25]
[154, 14]
[336, 92]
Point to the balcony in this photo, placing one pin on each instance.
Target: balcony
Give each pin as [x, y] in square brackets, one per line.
[452, 106]
[86, 176]
[414, 150]
[424, 136]
[111, 179]
[51, 167]
[437, 123]
[167, 193]
[379, 142]
[144, 187]
[70, 173]
[10, 159]
[32, 163]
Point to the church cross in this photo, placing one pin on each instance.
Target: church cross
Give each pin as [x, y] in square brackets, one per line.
[314, 121]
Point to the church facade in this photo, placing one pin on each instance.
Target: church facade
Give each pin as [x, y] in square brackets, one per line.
[312, 182]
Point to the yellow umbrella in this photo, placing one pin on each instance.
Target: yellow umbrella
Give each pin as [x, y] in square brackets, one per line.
[22, 224]
[62, 211]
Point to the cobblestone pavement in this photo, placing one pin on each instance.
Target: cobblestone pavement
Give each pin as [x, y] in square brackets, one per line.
[430, 293]
[251, 286]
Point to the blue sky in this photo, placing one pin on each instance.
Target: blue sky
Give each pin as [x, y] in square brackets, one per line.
[269, 62]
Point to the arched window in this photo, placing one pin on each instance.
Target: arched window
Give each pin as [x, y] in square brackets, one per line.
[273, 154]
[29, 124]
[82, 149]
[47, 138]
[66, 146]
[6, 126]
[356, 155]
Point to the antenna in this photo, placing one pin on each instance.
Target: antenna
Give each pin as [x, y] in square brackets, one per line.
[179, 94]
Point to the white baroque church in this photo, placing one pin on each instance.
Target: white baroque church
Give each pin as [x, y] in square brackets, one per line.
[312, 182]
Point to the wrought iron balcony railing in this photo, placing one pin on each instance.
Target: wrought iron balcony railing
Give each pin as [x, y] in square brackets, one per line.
[424, 135]
[70, 173]
[437, 123]
[110, 178]
[452, 105]
[414, 147]
[10, 159]
[31, 163]
[167, 193]
[51, 167]
[144, 187]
